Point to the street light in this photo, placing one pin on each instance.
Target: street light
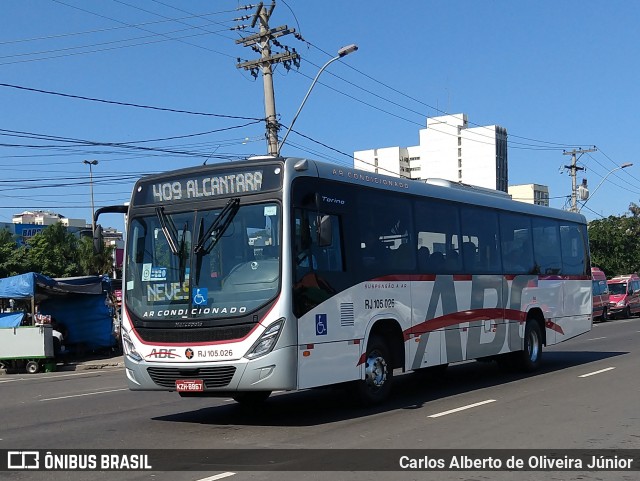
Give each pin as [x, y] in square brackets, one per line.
[343, 52]
[91, 163]
[623, 166]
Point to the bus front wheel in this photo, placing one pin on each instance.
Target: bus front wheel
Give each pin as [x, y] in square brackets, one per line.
[378, 373]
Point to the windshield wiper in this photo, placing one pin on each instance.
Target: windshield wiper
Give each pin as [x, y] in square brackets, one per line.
[182, 255]
[217, 227]
[168, 229]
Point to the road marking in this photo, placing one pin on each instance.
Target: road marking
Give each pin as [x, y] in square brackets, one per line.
[596, 338]
[85, 394]
[218, 476]
[469, 406]
[597, 372]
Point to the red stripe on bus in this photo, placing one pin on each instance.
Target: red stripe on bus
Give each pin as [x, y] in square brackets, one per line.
[463, 317]
[362, 359]
[554, 327]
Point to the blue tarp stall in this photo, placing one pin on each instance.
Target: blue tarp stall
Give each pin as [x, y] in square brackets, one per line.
[10, 319]
[79, 304]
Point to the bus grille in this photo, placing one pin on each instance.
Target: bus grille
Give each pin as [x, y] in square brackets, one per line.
[192, 335]
[212, 376]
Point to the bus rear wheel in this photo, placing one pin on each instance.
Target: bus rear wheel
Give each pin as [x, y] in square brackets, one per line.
[530, 357]
[378, 373]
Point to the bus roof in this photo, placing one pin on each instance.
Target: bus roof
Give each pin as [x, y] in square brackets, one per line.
[446, 190]
[438, 188]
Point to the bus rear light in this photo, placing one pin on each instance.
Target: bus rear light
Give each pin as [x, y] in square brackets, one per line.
[267, 341]
[306, 353]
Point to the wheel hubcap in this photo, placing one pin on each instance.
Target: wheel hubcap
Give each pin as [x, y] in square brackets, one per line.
[375, 370]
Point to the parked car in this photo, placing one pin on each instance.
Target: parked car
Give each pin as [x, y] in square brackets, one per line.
[624, 295]
[600, 295]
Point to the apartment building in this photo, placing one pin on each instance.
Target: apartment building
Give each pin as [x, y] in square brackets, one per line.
[448, 149]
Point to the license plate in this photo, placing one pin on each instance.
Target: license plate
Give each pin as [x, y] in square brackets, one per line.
[189, 385]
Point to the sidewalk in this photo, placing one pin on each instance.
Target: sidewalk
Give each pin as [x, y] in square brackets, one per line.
[94, 362]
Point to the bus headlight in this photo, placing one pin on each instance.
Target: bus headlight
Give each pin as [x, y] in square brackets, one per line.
[267, 341]
[621, 303]
[129, 348]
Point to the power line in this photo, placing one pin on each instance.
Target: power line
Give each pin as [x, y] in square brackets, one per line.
[511, 144]
[102, 30]
[128, 104]
[100, 44]
[558, 145]
[139, 28]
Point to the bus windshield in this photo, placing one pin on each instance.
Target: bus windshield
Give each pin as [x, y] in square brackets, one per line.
[203, 264]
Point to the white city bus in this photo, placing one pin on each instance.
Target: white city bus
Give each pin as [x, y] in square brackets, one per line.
[253, 276]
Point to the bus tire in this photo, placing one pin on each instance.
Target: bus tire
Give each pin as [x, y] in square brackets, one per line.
[530, 357]
[32, 367]
[251, 398]
[378, 373]
[627, 313]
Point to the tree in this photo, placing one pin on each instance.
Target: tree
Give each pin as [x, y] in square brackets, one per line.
[92, 263]
[54, 252]
[7, 246]
[614, 243]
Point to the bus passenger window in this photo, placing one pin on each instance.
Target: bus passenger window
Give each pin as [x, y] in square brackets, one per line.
[372, 249]
[546, 246]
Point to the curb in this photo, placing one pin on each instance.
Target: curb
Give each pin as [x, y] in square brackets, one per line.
[101, 365]
[78, 366]
[95, 364]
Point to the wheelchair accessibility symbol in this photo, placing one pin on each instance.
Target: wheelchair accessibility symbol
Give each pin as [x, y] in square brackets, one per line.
[200, 296]
[321, 324]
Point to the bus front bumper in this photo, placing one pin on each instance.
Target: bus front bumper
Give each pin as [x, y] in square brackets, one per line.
[275, 371]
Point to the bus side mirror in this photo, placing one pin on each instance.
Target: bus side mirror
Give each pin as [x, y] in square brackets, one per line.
[325, 233]
[98, 240]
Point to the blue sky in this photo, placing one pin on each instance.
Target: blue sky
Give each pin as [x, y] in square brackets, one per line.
[556, 75]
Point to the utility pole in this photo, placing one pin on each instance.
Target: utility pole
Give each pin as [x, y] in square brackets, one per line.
[261, 43]
[91, 163]
[573, 171]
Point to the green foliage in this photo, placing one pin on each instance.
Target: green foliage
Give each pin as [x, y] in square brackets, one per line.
[7, 247]
[53, 252]
[91, 263]
[614, 243]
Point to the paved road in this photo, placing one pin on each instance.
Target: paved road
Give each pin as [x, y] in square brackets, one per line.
[585, 397]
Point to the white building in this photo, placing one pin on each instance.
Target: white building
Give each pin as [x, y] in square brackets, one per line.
[449, 150]
[530, 193]
[42, 217]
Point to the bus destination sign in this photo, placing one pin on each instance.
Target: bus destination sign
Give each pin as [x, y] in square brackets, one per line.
[213, 183]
